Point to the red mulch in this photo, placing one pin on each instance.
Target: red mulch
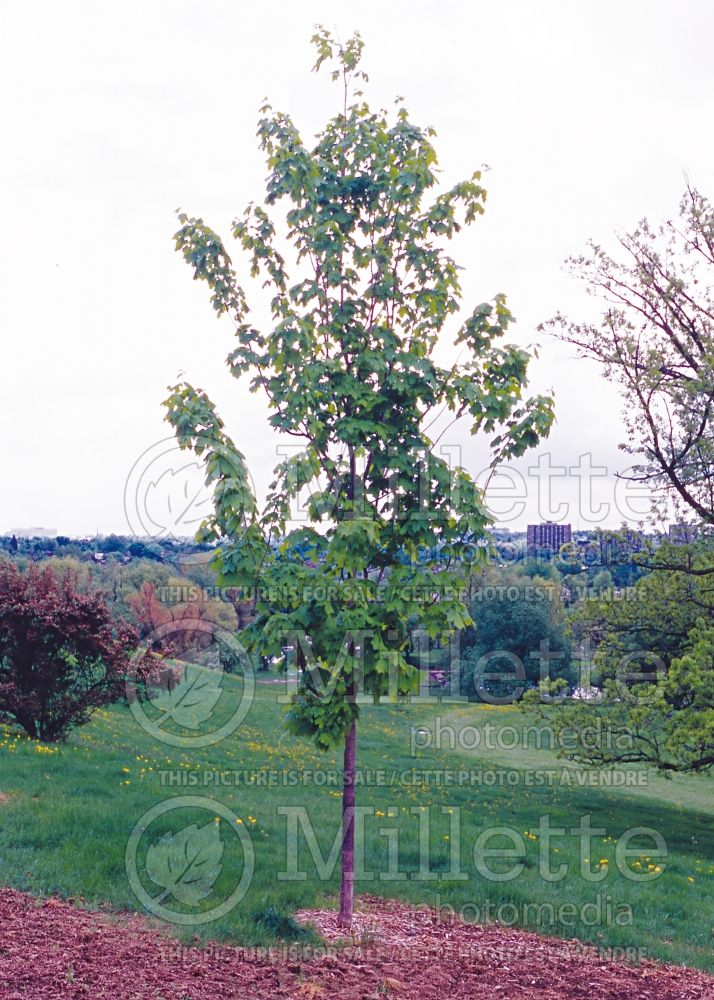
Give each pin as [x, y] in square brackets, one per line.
[51, 949]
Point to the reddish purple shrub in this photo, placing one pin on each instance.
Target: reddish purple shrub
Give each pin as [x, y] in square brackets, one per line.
[61, 653]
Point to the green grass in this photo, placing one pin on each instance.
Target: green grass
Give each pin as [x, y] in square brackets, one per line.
[70, 809]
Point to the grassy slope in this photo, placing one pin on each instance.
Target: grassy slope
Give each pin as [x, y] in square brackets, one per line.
[70, 809]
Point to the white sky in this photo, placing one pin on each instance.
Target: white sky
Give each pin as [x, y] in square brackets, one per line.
[113, 115]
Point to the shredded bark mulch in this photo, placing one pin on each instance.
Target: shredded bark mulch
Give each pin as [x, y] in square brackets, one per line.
[51, 949]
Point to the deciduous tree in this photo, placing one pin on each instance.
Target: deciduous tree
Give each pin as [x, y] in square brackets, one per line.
[655, 339]
[348, 369]
[651, 650]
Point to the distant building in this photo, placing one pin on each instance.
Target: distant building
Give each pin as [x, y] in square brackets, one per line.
[33, 532]
[683, 534]
[548, 535]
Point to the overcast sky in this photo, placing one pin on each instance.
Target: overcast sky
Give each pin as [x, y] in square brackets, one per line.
[588, 114]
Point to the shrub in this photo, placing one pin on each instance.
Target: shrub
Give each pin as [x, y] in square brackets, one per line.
[61, 653]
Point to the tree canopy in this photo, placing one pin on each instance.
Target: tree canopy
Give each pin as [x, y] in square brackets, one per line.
[650, 651]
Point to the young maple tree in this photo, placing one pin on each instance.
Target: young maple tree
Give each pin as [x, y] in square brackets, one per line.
[348, 369]
[61, 653]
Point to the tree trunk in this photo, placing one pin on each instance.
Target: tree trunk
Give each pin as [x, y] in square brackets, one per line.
[347, 885]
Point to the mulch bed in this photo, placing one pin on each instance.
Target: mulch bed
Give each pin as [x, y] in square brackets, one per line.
[51, 949]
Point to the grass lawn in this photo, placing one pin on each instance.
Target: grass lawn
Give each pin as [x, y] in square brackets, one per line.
[67, 813]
